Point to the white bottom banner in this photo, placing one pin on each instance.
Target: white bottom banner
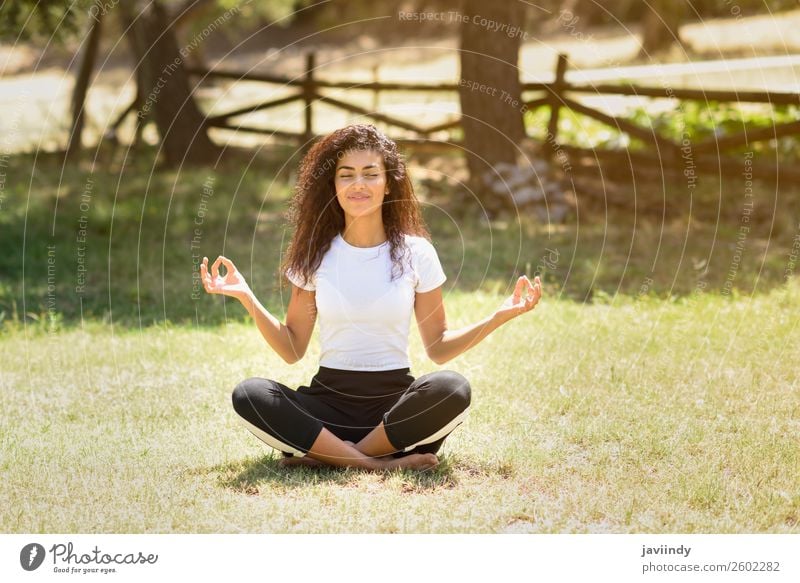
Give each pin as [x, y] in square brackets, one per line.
[401, 558]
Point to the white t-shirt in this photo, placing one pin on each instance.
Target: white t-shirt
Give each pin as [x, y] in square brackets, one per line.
[364, 317]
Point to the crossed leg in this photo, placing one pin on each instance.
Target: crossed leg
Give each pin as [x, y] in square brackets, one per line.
[330, 450]
[426, 413]
[375, 444]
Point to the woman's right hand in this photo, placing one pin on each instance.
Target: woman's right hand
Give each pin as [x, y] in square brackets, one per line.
[231, 284]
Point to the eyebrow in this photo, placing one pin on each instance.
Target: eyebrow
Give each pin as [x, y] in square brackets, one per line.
[351, 168]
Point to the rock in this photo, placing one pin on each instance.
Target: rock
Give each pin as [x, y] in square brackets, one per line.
[527, 195]
[520, 175]
[552, 213]
[553, 189]
[504, 168]
[558, 212]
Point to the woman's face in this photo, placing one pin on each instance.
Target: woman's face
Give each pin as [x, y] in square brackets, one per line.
[360, 183]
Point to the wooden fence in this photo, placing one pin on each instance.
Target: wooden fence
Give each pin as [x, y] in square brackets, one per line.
[556, 95]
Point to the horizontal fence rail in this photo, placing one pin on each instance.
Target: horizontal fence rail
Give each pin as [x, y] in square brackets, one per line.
[555, 97]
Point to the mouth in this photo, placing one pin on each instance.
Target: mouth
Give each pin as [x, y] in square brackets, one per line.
[358, 197]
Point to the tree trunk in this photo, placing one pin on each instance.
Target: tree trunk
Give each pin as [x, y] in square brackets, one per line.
[184, 16]
[164, 83]
[82, 81]
[489, 89]
[660, 25]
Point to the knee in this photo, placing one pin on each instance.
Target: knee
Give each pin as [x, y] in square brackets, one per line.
[454, 387]
[247, 392]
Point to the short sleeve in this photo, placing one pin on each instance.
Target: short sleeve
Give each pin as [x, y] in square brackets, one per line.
[430, 274]
[297, 280]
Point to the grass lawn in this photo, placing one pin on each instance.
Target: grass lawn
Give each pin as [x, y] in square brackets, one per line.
[627, 416]
[654, 389]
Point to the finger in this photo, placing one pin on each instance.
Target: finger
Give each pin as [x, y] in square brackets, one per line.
[518, 290]
[206, 281]
[530, 301]
[521, 291]
[215, 268]
[528, 285]
[228, 264]
[536, 294]
[203, 274]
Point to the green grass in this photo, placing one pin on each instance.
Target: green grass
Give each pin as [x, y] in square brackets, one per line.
[632, 399]
[140, 225]
[626, 416]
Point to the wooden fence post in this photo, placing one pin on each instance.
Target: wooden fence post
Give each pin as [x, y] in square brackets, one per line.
[556, 98]
[82, 82]
[309, 94]
[376, 92]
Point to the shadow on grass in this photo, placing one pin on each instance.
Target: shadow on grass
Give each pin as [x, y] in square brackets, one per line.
[101, 213]
[254, 476]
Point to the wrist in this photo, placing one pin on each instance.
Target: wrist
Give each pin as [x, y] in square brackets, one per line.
[498, 319]
[246, 298]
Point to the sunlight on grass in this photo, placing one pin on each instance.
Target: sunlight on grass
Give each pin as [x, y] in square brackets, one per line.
[625, 416]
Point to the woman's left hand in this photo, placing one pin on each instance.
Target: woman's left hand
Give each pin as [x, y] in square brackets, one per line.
[525, 297]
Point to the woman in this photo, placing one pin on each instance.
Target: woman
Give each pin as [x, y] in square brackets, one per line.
[361, 259]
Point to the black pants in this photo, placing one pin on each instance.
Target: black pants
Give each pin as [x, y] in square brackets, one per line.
[417, 414]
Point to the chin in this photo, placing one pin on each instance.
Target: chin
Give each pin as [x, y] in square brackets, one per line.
[360, 213]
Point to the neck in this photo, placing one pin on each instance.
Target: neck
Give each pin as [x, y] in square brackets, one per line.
[364, 231]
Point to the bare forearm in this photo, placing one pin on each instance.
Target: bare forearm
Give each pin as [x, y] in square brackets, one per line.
[277, 334]
[455, 342]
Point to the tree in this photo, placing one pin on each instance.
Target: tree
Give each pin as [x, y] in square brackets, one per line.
[163, 90]
[489, 88]
[24, 20]
[164, 84]
[660, 24]
[82, 81]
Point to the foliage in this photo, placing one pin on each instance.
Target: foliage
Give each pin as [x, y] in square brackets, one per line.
[697, 119]
[617, 12]
[269, 11]
[713, 119]
[59, 20]
[25, 20]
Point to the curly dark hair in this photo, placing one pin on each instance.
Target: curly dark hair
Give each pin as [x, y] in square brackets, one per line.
[317, 217]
